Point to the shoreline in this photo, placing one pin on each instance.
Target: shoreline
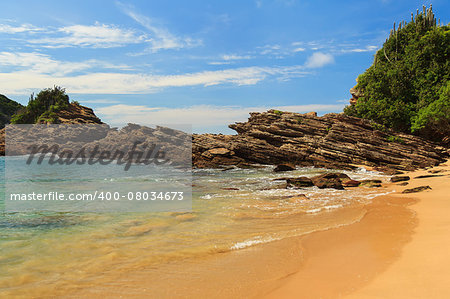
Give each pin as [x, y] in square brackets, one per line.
[308, 266]
[415, 267]
[364, 259]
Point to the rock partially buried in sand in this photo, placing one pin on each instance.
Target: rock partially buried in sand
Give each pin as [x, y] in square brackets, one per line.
[428, 176]
[437, 170]
[371, 183]
[400, 178]
[403, 184]
[284, 167]
[417, 189]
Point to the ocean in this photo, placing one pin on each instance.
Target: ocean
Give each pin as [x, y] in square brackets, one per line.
[52, 253]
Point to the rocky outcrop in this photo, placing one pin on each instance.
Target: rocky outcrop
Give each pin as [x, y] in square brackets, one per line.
[73, 114]
[332, 141]
[77, 114]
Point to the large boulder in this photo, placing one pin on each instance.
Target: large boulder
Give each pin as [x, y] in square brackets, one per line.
[328, 180]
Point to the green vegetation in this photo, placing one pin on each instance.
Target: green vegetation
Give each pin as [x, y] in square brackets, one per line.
[407, 87]
[278, 112]
[7, 109]
[395, 139]
[43, 107]
[379, 127]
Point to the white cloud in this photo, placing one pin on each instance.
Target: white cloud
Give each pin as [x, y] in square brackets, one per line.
[319, 59]
[299, 49]
[19, 29]
[360, 50]
[270, 49]
[235, 57]
[161, 38]
[43, 64]
[21, 82]
[94, 36]
[229, 58]
[99, 101]
[198, 116]
[219, 62]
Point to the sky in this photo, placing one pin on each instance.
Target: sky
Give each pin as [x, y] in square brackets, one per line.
[201, 63]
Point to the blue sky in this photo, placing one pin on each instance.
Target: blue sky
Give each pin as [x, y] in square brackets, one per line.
[205, 63]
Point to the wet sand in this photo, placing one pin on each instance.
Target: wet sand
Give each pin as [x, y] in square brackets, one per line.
[394, 252]
[399, 249]
[423, 269]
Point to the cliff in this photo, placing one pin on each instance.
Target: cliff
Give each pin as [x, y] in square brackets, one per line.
[331, 141]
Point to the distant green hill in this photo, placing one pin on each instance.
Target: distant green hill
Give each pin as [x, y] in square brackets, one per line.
[7, 109]
[407, 88]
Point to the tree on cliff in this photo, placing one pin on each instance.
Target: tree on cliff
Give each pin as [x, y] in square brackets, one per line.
[43, 107]
[407, 88]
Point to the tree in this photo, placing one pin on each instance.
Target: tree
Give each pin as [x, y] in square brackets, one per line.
[409, 73]
[43, 107]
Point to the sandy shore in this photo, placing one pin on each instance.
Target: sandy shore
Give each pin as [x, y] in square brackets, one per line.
[399, 249]
[395, 251]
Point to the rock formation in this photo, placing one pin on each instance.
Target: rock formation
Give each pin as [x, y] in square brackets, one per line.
[331, 141]
[278, 138]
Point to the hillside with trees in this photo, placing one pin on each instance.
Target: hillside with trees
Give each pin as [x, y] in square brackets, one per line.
[407, 88]
[53, 106]
[7, 109]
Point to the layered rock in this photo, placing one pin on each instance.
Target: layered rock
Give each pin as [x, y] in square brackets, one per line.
[331, 141]
[77, 114]
[73, 114]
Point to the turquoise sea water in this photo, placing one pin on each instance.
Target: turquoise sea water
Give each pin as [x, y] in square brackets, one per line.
[46, 253]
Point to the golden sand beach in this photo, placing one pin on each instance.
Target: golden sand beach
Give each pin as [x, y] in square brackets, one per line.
[398, 250]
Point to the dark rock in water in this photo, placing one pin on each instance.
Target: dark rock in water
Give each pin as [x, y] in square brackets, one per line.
[417, 189]
[331, 141]
[277, 186]
[228, 168]
[428, 176]
[284, 167]
[371, 183]
[351, 183]
[299, 182]
[403, 184]
[402, 178]
[328, 180]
